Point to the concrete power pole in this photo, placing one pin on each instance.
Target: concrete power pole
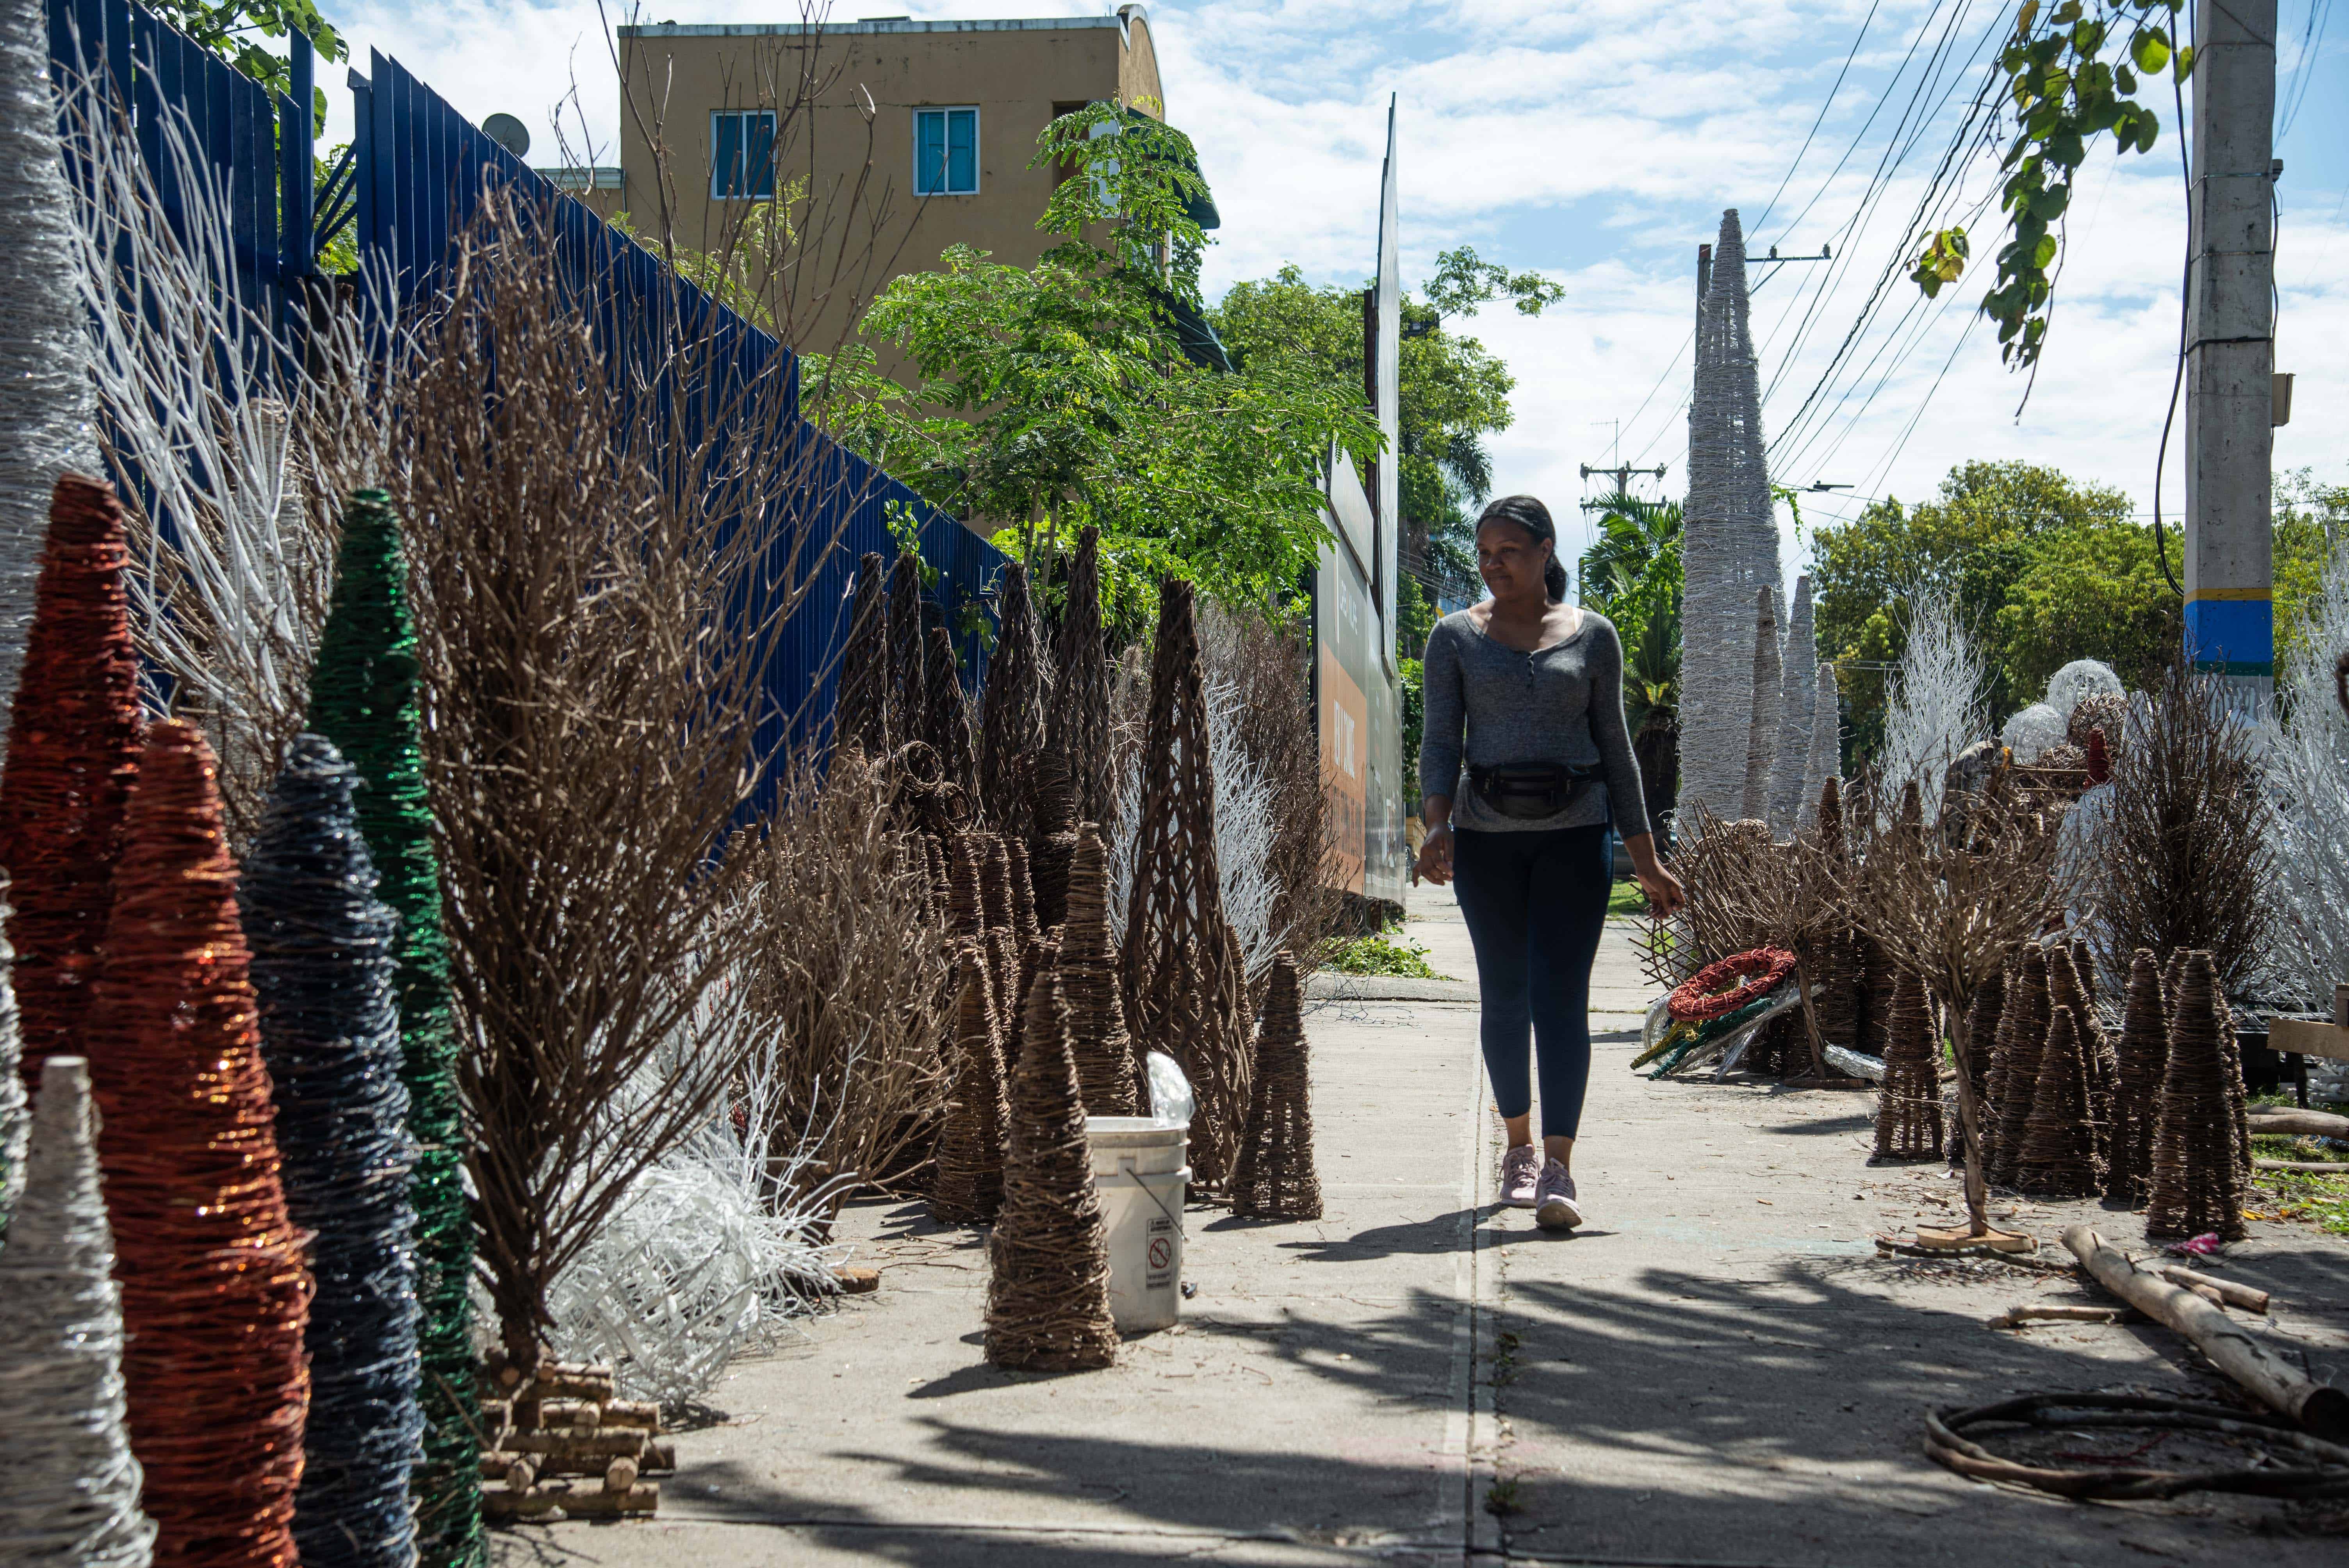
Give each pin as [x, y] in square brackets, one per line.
[2231, 350]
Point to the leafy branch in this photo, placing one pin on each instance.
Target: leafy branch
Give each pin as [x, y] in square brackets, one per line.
[233, 29]
[2072, 76]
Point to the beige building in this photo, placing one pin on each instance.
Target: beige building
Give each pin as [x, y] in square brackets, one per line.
[890, 139]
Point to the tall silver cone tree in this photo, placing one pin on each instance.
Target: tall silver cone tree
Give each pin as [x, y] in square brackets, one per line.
[1798, 681]
[48, 409]
[1729, 544]
[1762, 723]
[1825, 760]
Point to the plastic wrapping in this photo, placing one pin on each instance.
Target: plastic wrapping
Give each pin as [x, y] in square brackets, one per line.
[2032, 731]
[2081, 677]
[1171, 1100]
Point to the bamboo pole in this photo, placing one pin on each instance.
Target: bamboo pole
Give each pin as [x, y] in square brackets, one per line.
[2318, 1406]
[2247, 1297]
[2303, 1123]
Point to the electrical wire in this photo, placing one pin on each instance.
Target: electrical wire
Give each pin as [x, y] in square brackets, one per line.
[2178, 379]
[1771, 205]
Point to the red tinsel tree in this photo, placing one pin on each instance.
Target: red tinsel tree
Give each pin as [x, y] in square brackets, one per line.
[73, 749]
[214, 1292]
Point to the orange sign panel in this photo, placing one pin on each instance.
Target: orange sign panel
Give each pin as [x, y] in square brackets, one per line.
[1345, 772]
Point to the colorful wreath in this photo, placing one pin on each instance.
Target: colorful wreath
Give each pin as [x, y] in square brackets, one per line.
[1700, 996]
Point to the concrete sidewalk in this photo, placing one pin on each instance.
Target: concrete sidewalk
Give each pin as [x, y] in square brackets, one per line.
[1716, 1370]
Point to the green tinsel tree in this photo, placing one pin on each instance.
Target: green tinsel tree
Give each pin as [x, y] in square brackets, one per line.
[363, 698]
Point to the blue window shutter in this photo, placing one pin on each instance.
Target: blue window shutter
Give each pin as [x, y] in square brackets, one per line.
[726, 155]
[962, 151]
[759, 156]
[930, 152]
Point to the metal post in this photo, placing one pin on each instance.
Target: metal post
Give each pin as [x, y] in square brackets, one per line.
[296, 167]
[2230, 351]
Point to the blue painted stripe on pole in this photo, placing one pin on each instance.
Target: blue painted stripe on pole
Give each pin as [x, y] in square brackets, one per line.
[2231, 632]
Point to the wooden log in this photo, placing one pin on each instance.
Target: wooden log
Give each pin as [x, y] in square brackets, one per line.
[2314, 1166]
[585, 1417]
[642, 1498]
[620, 1475]
[2308, 1039]
[2320, 1408]
[2249, 1297]
[599, 1446]
[2060, 1312]
[854, 1281]
[541, 1503]
[522, 1473]
[2301, 1123]
[658, 1457]
[632, 1413]
[549, 1386]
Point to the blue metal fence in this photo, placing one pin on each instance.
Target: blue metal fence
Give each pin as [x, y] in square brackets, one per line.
[413, 180]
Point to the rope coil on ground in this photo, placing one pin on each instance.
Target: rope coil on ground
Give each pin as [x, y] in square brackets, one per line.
[2327, 1476]
[1700, 998]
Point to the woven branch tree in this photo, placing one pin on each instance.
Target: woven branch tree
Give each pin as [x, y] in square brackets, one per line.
[1179, 981]
[324, 960]
[2066, 988]
[1762, 725]
[1079, 715]
[364, 700]
[1985, 1014]
[1109, 1070]
[2058, 1157]
[1048, 1276]
[72, 754]
[72, 1497]
[1024, 924]
[2197, 1182]
[48, 409]
[1838, 1008]
[1052, 850]
[1012, 708]
[945, 721]
[1952, 914]
[1909, 1110]
[2022, 1030]
[1277, 1179]
[908, 649]
[2143, 1053]
[968, 1189]
[214, 1294]
[864, 715]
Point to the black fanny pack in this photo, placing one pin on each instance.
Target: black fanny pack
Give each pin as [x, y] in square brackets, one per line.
[1530, 790]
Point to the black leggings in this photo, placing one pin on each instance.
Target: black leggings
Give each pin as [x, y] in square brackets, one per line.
[1536, 904]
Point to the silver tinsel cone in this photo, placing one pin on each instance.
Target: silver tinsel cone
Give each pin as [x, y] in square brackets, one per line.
[1798, 682]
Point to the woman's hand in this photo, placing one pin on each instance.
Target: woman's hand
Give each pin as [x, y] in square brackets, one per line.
[1435, 856]
[1664, 891]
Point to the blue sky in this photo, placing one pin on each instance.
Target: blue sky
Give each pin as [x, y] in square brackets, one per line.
[1599, 142]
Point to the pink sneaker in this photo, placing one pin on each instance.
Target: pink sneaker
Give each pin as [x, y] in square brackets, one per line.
[1520, 1167]
[1554, 1207]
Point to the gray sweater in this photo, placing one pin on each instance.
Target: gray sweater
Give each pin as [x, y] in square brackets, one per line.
[1563, 703]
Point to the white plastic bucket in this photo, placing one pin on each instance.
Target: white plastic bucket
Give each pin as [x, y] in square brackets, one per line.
[1140, 1173]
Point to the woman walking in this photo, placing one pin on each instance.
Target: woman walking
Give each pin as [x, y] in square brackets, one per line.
[1537, 684]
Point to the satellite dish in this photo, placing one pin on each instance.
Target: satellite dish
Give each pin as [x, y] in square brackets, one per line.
[508, 133]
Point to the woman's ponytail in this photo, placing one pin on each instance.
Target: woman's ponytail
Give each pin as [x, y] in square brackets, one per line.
[1529, 514]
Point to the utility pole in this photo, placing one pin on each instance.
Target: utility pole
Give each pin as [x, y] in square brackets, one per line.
[1622, 477]
[2230, 351]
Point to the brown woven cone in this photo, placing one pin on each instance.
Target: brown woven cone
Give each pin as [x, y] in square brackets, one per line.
[2058, 1159]
[1908, 1107]
[1023, 892]
[966, 902]
[2083, 966]
[1992, 1067]
[1048, 852]
[1276, 1179]
[2144, 1052]
[945, 721]
[933, 857]
[1877, 983]
[2197, 1180]
[1984, 1011]
[2028, 1014]
[1079, 719]
[862, 716]
[1036, 956]
[995, 882]
[1831, 834]
[911, 705]
[1109, 1070]
[1047, 1278]
[968, 1189]
[1838, 1003]
[2238, 1106]
[1011, 708]
[2066, 990]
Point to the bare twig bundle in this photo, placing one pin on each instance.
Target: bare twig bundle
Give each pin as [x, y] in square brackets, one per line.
[2144, 1054]
[1048, 1282]
[1082, 714]
[2022, 1037]
[908, 650]
[2105, 711]
[2196, 1183]
[1011, 709]
[1002, 934]
[968, 1186]
[1952, 914]
[1727, 867]
[852, 986]
[2186, 855]
[2058, 1158]
[1277, 1179]
[1109, 1070]
[864, 718]
[945, 724]
[1024, 926]
[2066, 990]
[1908, 1108]
[1178, 990]
[595, 623]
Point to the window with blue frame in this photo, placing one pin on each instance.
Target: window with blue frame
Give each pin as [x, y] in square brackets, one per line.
[946, 152]
[742, 154]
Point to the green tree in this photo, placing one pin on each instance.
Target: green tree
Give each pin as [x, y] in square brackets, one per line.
[235, 30]
[1451, 391]
[1058, 395]
[1632, 575]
